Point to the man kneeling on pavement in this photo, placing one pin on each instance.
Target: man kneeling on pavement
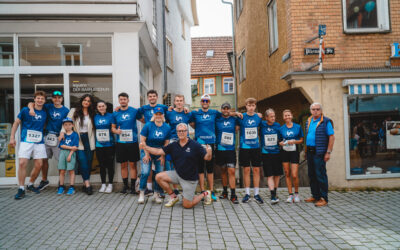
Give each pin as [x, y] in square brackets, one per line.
[186, 154]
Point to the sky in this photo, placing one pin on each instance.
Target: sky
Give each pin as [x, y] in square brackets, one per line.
[214, 19]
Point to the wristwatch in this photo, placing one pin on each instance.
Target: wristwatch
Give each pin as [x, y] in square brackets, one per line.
[328, 152]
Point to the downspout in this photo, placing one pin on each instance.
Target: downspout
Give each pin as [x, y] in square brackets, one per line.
[164, 49]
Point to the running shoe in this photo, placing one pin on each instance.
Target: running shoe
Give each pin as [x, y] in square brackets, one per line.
[296, 198]
[60, 190]
[258, 199]
[148, 192]
[109, 189]
[20, 194]
[43, 185]
[213, 197]
[290, 199]
[274, 200]
[125, 189]
[71, 191]
[172, 201]
[33, 189]
[224, 195]
[246, 198]
[141, 197]
[234, 199]
[207, 199]
[157, 198]
[103, 188]
[89, 190]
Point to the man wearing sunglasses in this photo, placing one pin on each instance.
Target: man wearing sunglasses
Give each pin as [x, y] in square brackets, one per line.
[56, 113]
[319, 140]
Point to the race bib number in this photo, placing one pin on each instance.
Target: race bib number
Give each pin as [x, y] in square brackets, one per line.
[103, 135]
[271, 140]
[33, 136]
[250, 133]
[227, 138]
[51, 140]
[289, 148]
[126, 135]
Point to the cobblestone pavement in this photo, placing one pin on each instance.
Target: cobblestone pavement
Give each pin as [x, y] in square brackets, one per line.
[358, 220]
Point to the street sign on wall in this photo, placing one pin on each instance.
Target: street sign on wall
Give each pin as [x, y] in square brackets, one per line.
[315, 51]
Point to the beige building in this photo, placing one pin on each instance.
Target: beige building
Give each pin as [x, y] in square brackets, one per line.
[359, 85]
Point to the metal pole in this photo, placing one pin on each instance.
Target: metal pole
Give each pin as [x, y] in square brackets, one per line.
[321, 38]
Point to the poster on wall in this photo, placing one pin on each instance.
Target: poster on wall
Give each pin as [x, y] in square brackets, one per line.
[393, 134]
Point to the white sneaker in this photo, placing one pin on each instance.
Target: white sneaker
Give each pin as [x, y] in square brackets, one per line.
[172, 201]
[108, 189]
[157, 198]
[290, 199]
[207, 198]
[141, 197]
[103, 188]
[296, 198]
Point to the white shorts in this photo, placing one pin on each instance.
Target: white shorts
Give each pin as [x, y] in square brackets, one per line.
[52, 151]
[27, 150]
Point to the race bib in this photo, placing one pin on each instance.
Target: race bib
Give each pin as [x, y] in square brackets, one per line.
[271, 140]
[33, 136]
[289, 148]
[51, 140]
[103, 135]
[250, 133]
[126, 135]
[227, 138]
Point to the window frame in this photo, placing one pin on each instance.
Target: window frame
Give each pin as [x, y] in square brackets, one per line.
[273, 30]
[204, 85]
[383, 19]
[64, 54]
[238, 8]
[223, 85]
[6, 54]
[170, 55]
[242, 66]
[197, 83]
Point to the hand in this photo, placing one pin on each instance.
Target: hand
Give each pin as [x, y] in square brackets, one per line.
[327, 157]
[186, 110]
[74, 148]
[31, 107]
[259, 115]
[282, 143]
[240, 115]
[61, 136]
[69, 158]
[170, 108]
[32, 112]
[146, 159]
[118, 131]
[291, 142]
[162, 160]
[117, 108]
[12, 142]
[142, 145]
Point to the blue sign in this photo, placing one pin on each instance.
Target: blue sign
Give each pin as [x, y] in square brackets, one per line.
[322, 30]
[395, 50]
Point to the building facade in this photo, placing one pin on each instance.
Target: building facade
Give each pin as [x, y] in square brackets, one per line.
[210, 71]
[359, 85]
[99, 47]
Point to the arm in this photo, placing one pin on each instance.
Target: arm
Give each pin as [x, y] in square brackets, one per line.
[143, 146]
[13, 130]
[330, 147]
[72, 148]
[31, 107]
[154, 151]
[115, 130]
[193, 125]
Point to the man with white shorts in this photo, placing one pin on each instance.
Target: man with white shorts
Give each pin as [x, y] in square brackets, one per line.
[32, 143]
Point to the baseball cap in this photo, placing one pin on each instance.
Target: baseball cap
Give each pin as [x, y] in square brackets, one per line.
[205, 97]
[57, 93]
[67, 119]
[158, 110]
[226, 105]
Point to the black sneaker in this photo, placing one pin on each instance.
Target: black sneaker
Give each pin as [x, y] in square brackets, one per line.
[20, 194]
[234, 199]
[84, 189]
[258, 199]
[133, 191]
[43, 185]
[224, 195]
[246, 198]
[89, 190]
[33, 189]
[148, 192]
[125, 190]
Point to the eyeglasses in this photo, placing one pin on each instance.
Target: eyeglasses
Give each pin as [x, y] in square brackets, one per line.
[57, 93]
[181, 131]
[205, 101]
[315, 109]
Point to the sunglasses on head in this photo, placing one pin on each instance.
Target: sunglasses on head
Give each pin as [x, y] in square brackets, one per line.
[55, 93]
[205, 101]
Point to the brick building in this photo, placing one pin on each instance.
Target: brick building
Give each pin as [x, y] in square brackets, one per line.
[359, 86]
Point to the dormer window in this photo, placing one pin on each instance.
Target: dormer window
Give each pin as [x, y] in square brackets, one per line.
[210, 53]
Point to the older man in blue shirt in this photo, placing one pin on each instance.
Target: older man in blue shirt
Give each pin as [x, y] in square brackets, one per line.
[319, 141]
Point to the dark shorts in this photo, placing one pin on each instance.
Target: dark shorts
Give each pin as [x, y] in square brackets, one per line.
[226, 158]
[250, 157]
[127, 152]
[272, 165]
[209, 165]
[290, 156]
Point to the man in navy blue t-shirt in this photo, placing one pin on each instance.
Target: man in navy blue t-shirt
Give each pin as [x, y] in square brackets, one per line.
[186, 155]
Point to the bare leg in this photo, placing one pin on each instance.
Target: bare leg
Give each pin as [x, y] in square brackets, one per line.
[124, 170]
[224, 176]
[276, 181]
[163, 180]
[246, 173]
[256, 177]
[232, 178]
[71, 177]
[45, 169]
[133, 170]
[295, 176]
[36, 169]
[62, 177]
[189, 204]
[201, 181]
[286, 168]
[210, 180]
[271, 183]
[23, 162]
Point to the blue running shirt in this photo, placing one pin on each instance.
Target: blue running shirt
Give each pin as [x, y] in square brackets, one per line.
[147, 111]
[226, 133]
[205, 125]
[32, 126]
[126, 121]
[104, 136]
[270, 137]
[293, 133]
[70, 140]
[174, 118]
[249, 131]
[156, 136]
[55, 116]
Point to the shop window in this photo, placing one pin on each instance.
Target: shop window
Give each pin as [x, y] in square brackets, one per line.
[194, 83]
[374, 134]
[366, 16]
[273, 26]
[6, 51]
[228, 85]
[61, 51]
[242, 66]
[209, 86]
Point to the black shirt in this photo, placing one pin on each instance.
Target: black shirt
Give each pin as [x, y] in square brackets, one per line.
[186, 159]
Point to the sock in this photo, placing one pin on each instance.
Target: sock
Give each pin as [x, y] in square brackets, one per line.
[248, 190]
[256, 191]
[176, 191]
[172, 195]
[275, 189]
[233, 191]
[291, 194]
[125, 180]
[22, 187]
[133, 183]
[30, 183]
[149, 186]
[272, 193]
[296, 192]
[225, 189]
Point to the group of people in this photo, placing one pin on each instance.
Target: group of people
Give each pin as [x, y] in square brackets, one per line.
[167, 154]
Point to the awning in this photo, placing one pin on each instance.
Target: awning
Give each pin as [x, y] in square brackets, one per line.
[373, 86]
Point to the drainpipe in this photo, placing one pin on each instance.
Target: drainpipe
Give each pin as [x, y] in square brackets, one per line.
[164, 49]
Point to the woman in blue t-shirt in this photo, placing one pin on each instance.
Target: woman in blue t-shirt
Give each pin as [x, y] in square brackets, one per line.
[292, 135]
[156, 134]
[105, 150]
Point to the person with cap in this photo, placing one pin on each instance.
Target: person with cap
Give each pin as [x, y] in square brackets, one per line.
[32, 143]
[319, 144]
[203, 121]
[225, 155]
[56, 112]
[186, 155]
[68, 146]
[155, 134]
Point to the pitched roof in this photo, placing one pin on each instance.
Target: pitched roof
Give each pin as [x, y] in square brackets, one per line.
[218, 63]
